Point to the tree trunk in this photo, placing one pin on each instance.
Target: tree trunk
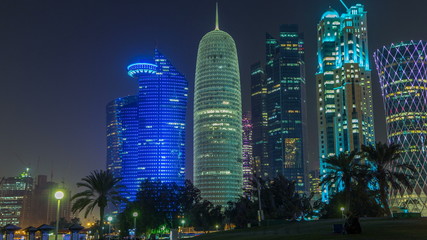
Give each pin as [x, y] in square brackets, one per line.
[384, 197]
[347, 195]
[101, 223]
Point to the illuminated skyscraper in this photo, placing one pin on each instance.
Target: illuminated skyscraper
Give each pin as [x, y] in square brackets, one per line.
[122, 142]
[248, 163]
[402, 69]
[279, 107]
[259, 119]
[14, 195]
[343, 81]
[146, 133]
[218, 119]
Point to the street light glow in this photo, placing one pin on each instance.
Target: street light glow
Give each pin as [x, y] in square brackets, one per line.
[59, 195]
[135, 214]
[110, 218]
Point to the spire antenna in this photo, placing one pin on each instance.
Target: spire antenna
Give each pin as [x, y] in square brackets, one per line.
[216, 18]
[344, 4]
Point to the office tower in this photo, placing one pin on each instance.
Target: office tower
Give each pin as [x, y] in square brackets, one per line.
[343, 81]
[122, 142]
[14, 195]
[259, 119]
[248, 165]
[43, 204]
[162, 106]
[146, 132]
[402, 70]
[279, 107]
[218, 119]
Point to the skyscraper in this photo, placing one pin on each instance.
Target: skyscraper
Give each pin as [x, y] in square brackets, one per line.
[259, 119]
[15, 193]
[146, 132]
[279, 107]
[248, 163]
[402, 69]
[122, 142]
[343, 81]
[218, 119]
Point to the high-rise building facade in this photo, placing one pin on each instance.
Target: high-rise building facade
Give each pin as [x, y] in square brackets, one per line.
[248, 163]
[314, 183]
[218, 119]
[15, 193]
[279, 107]
[402, 70]
[259, 119]
[122, 142]
[146, 132]
[343, 81]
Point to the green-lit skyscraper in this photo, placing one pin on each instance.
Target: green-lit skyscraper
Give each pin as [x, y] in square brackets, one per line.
[218, 119]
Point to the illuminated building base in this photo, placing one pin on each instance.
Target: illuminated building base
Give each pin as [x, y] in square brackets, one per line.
[412, 202]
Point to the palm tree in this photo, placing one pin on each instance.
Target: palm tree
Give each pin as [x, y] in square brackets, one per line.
[341, 172]
[388, 170]
[101, 189]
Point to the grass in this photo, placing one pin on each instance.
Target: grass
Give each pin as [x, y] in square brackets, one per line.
[372, 229]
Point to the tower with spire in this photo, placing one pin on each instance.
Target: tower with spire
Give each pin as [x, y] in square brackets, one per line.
[218, 119]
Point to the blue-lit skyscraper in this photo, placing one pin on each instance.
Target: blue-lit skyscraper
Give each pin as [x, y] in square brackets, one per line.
[122, 139]
[343, 81]
[146, 132]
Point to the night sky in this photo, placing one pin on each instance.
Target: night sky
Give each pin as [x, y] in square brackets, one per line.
[61, 62]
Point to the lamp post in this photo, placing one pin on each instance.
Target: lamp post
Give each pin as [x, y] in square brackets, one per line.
[217, 226]
[260, 212]
[134, 214]
[342, 212]
[182, 222]
[58, 195]
[110, 218]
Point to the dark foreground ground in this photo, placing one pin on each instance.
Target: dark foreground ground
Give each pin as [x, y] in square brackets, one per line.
[372, 229]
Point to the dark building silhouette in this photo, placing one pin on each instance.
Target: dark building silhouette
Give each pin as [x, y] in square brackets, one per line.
[43, 204]
[279, 107]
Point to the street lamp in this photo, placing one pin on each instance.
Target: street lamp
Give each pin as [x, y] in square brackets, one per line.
[110, 218]
[58, 195]
[217, 226]
[134, 214]
[182, 222]
[342, 212]
[260, 211]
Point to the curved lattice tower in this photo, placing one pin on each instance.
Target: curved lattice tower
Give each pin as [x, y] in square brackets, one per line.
[402, 69]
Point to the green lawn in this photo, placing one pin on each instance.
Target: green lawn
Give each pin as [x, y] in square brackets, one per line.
[372, 229]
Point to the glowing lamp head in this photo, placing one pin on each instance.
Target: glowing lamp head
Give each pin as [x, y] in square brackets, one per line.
[110, 218]
[183, 221]
[59, 195]
[141, 69]
[342, 209]
[135, 214]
